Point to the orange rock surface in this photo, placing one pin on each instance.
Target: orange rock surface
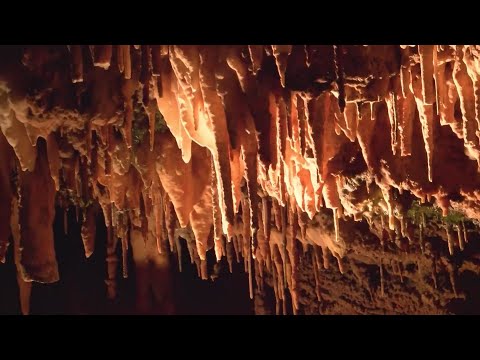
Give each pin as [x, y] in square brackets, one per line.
[241, 145]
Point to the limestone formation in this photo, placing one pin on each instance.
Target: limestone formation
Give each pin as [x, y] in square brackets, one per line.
[274, 154]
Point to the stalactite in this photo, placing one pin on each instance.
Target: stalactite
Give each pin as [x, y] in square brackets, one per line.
[256, 56]
[351, 121]
[405, 72]
[244, 252]
[201, 219]
[128, 109]
[340, 265]
[120, 58]
[293, 255]
[127, 61]
[38, 261]
[451, 245]
[266, 218]
[276, 214]
[24, 287]
[124, 242]
[407, 116]
[392, 115]
[337, 50]
[465, 238]
[465, 90]
[178, 247]
[258, 275]
[191, 255]
[426, 119]
[332, 201]
[102, 55]
[283, 216]
[326, 261]
[472, 68]
[250, 282]
[403, 226]
[204, 272]
[216, 113]
[461, 241]
[159, 214]
[427, 73]
[6, 169]
[284, 301]
[388, 196]
[170, 223]
[88, 231]
[16, 135]
[281, 54]
[111, 257]
[230, 252]
[276, 291]
[436, 75]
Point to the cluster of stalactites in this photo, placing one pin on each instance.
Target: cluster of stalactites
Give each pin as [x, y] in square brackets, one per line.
[239, 145]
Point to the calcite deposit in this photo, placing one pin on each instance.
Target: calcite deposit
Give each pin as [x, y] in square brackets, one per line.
[295, 158]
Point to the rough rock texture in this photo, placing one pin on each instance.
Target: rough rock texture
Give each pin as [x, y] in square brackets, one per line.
[381, 278]
[294, 158]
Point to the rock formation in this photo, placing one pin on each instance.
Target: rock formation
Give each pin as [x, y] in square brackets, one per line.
[297, 159]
